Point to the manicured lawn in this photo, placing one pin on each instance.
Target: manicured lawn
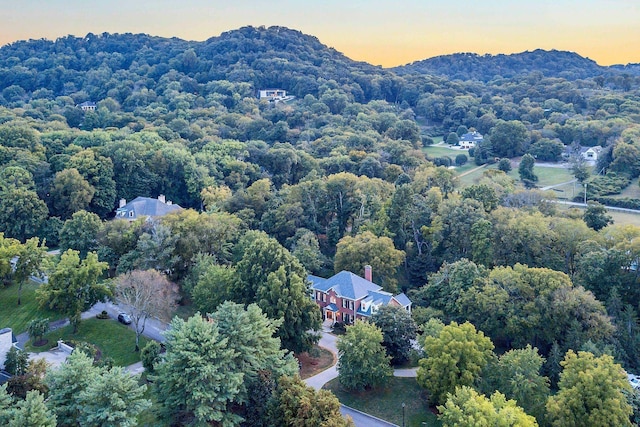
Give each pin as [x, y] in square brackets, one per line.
[16, 316]
[625, 218]
[387, 403]
[112, 338]
[442, 151]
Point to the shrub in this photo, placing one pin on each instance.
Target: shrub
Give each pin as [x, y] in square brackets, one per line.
[461, 159]
[504, 165]
[150, 355]
[102, 315]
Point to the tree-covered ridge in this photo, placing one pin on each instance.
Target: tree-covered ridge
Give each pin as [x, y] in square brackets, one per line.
[471, 66]
[120, 64]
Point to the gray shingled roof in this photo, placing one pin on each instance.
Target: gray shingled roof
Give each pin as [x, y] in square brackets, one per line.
[346, 285]
[147, 206]
[472, 137]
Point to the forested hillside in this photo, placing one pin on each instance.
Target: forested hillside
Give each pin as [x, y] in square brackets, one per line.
[471, 66]
[273, 191]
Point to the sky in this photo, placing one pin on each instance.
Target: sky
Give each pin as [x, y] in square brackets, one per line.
[381, 32]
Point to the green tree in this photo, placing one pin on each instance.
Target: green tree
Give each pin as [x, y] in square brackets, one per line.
[504, 165]
[452, 139]
[150, 355]
[22, 213]
[307, 250]
[517, 376]
[31, 261]
[362, 361]
[37, 328]
[482, 193]
[193, 385]
[115, 397]
[16, 361]
[596, 216]
[454, 358]
[74, 285]
[296, 404]
[525, 170]
[398, 331]
[65, 385]
[508, 139]
[353, 253]
[286, 296]
[466, 407]
[590, 393]
[70, 193]
[273, 278]
[213, 287]
[6, 405]
[32, 412]
[80, 232]
[251, 334]
[461, 159]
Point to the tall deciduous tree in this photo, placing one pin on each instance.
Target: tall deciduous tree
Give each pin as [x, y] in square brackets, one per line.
[596, 216]
[80, 232]
[70, 193]
[466, 407]
[508, 138]
[362, 362]
[591, 393]
[295, 403]
[353, 253]
[517, 376]
[74, 285]
[456, 357]
[398, 331]
[146, 294]
[22, 213]
[30, 262]
[525, 170]
[273, 278]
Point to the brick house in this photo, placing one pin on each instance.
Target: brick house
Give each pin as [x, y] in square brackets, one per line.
[345, 297]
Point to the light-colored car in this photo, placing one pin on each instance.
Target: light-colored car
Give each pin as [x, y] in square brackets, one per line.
[124, 318]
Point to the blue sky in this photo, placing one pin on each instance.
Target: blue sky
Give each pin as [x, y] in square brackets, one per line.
[381, 32]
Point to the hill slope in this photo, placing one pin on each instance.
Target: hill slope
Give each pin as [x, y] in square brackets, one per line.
[471, 66]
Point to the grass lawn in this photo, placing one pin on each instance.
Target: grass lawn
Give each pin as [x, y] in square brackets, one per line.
[387, 403]
[632, 191]
[16, 316]
[625, 218]
[442, 151]
[112, 338]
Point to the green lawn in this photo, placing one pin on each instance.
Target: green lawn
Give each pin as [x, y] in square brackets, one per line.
[387, 403]
[442, 151]
[632, 190]
[16, 316]
[625, 218]
[112, 338]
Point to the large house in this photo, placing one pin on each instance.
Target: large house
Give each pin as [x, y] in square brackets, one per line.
[470, 140]
[145, 207]
[591, 153]
[87, 106]
[346, 297]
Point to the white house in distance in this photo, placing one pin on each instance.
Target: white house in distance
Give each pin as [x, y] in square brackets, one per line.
[591, 153]
[470, 139]
[272, 94]
[87, 106]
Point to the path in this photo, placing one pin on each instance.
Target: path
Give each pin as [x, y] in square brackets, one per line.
[582, 205]
[360, 419]
[551, 187]
[472, 170]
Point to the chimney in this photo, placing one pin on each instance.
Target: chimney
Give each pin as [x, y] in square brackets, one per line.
[161, 198]
[367, 273]
[122, 203]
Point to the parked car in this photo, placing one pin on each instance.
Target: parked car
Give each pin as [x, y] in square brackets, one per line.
[124, 318]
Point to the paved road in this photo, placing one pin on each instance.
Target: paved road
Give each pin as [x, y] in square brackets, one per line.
[153, 328]
[582, 205]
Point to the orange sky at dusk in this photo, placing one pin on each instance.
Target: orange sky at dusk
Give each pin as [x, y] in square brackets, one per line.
[381, 32]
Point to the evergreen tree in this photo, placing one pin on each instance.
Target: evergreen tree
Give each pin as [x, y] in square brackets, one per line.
[32, 412]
